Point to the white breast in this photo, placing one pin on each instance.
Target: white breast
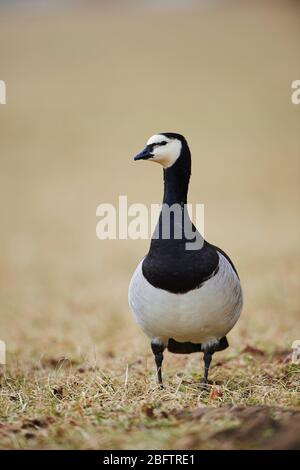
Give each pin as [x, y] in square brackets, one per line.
[200, 315]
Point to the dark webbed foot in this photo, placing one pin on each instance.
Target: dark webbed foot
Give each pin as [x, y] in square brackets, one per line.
[204, 386]
[158, 349]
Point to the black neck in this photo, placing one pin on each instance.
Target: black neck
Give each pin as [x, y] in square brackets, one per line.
[171, 264]
[176, 179]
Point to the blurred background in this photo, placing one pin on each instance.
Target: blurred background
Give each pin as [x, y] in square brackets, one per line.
[87, 84]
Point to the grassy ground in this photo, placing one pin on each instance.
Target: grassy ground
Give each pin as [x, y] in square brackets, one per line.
[85, 90]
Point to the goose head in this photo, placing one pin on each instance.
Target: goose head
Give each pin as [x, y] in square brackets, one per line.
[165, 148]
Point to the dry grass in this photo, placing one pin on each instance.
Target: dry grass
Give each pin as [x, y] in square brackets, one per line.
[85, 89]
[73, 404]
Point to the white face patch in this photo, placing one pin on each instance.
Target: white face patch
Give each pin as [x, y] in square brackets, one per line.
[164, 153]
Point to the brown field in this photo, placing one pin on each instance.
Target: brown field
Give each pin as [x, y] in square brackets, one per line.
[85, 89]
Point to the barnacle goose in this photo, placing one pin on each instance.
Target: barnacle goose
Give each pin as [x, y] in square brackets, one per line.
[185, 300]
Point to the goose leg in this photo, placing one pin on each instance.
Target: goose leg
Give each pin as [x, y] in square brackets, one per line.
[220, 345]
[158, 349]
[207, 360]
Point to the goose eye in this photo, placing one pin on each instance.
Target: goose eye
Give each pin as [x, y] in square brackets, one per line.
[163, 143]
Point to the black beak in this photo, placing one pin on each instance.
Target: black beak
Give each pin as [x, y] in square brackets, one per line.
[145, 154]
